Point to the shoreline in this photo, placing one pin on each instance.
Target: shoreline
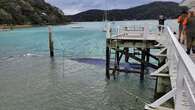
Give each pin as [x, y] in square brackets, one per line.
[10, 27]
[5, 27]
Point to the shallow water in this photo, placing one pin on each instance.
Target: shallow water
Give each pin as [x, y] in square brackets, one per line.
[40, 83]
[31, 80]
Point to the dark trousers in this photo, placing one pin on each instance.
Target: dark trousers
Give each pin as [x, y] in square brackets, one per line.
[190, 42]
[180, 30]
[161, 28]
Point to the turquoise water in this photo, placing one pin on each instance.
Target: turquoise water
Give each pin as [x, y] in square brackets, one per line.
[84, 42]
[31, 80]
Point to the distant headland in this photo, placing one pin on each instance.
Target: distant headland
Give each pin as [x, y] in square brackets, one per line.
[19, 13]
[148, 11]
[30, 12]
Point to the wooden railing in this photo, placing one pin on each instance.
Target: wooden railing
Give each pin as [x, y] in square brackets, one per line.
[182, 73]
[181, 69]
[181, 64]
[122, 31]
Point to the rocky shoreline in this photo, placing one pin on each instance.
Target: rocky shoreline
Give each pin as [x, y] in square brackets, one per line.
[14, 26]
[32, 12]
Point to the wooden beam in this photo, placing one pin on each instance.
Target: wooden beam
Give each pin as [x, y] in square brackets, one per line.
[126, 71]
[139, 60]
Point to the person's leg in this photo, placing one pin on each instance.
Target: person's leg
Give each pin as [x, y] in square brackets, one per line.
[185, 36]
[179, 39]
[182, 37]
[163, 28]
[189, 44]
[193, 45]
[159, 28]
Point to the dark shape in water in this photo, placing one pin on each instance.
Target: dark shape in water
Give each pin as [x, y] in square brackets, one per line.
[102, 62]
[93, 61]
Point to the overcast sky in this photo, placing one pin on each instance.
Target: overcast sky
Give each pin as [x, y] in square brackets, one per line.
[71, 7]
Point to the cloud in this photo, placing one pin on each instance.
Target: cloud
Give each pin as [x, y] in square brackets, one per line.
[70, 7]
[71, 11]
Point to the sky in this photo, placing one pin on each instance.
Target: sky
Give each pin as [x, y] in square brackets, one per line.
[71, 7]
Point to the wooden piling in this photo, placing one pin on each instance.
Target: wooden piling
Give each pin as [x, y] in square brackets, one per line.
[51, 47]
[117, 59]
[117, 56]
[126, 54]
[107, 62]
[115, 63]
[148, 55]
[143, 56]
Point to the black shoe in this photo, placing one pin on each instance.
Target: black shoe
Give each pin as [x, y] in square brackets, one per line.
[188, 51]
[183, 42]
[193, 51]
[179, 40]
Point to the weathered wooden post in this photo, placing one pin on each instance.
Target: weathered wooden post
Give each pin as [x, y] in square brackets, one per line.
[116, 62]
[148, 55]
[118, 59]
[51, 48]
[107, 61]
[126, 49]
[143, 56]
[108, 35]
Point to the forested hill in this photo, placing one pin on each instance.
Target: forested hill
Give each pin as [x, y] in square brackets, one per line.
[149, 11]
[30, 12]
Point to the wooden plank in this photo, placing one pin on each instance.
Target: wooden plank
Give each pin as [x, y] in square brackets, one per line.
[160, 75]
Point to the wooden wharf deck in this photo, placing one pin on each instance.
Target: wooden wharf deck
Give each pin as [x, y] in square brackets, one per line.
[173, 66]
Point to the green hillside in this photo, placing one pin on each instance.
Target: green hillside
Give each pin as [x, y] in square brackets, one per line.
[30, 12]
[149, 11]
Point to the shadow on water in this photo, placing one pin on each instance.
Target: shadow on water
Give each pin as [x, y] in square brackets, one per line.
[92, 61]
[102, 62]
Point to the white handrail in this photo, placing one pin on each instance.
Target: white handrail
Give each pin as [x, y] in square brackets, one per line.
[184, 68]
[188, 63]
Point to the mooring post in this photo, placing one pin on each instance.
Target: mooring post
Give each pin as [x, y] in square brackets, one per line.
[107, 61]
[143, 56]
[51, 48]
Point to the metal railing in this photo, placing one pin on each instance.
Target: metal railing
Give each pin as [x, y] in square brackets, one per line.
[133, 30]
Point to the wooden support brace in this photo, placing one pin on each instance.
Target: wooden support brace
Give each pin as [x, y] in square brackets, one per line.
[131, 55]
[161, 100]
[160, 71]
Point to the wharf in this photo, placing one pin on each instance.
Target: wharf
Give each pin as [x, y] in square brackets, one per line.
[174, 70]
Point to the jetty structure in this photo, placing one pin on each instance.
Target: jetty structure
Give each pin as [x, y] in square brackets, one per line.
[174, 70]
